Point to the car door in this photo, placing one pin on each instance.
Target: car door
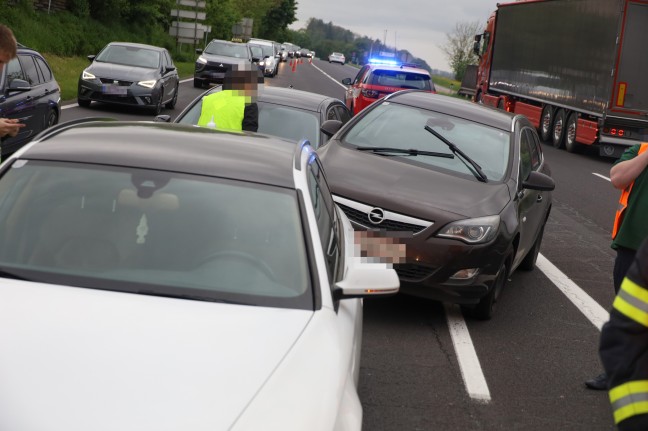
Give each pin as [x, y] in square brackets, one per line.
[168, 83]
[531, 203]
[353, 90]
[19, 104]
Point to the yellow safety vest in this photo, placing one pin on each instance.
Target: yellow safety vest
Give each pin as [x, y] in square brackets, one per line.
[223, 110]
[623, 200]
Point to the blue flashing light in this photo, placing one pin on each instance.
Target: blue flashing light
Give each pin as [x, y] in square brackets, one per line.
[384, 62]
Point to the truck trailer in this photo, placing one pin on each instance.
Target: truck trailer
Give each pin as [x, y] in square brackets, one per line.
[578, 69]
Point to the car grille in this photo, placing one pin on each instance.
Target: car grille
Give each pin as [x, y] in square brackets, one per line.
[413, 271]
[112, 81]
[362, 218]
[114, 98]
[216, 67]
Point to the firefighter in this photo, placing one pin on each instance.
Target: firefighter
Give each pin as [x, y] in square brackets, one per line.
[234, 107]
[624, 347]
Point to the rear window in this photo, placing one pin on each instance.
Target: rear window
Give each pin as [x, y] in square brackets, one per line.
[400, 79]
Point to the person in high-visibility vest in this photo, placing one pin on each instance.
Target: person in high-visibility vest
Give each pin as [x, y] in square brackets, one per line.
[234, 107]
[624, 347]
[630, 175]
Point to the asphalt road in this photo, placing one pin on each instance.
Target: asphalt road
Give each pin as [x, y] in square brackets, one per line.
[425, 367]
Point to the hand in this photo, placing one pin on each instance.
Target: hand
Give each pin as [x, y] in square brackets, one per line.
[10, 126]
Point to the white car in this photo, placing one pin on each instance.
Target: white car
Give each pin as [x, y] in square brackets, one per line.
[336, 57]
[169, 277]
[271, 57]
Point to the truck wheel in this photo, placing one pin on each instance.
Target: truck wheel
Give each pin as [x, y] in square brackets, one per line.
[558, 130]
[501, 105]
[570, 133]
[546, 120]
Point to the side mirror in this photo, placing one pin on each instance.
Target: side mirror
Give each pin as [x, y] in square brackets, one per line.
[347, 81]
[476, 47]
[91, 58]
[539, 181]
[330, 127]
[199, 51]
[169, 69]
[19, 85]
[364, 280]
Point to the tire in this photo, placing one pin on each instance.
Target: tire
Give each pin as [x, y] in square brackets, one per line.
[558, 129]
[478, 98]
[52, 118]
[570, 133]
[83, 103]
[158, 106]
[173, 101]
[197, 83]
[546, 120]
[501, 105]
[529, 261]
[486, 306]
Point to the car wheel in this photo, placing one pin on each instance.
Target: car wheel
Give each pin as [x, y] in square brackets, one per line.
[84, 103]
[52, 118]
[558, 130]
[197, 83]
[546, 119]
[570, 133]
[173, 101]
[486, 306]
[501, 105]
[158, 106]
[529, 261]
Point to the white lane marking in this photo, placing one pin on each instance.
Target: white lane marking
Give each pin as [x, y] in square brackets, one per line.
[602, 176]
[471, 370]
[329, 76]
[585, 304]
[74, 105]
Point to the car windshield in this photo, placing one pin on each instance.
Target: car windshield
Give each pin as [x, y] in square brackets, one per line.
[130, 56]
[266, 49]
[397, 126]
[153, 232]
[400, 79]
[278, 120]
[227, 50]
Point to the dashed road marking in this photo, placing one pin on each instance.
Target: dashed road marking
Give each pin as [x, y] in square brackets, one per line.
[601, 176]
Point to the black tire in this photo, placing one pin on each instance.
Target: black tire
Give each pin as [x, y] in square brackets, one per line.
[486, 306]
[529, 261]
[501, 105]
[558, 129]
[570, 133]
[173, 101]
[52, 118]
[478, 98]
[158, 106]
[546, 120]
[84, 103]
[197, 83]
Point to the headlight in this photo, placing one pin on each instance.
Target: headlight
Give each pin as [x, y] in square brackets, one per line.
[261, 63]
[87, 75]
[202, 60]
[472, 231]
[148, 84]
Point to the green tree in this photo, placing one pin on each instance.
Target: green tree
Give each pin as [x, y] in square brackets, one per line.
[276, 21]
[458, 47]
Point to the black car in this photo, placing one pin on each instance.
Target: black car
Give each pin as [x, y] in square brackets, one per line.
[219, 57]
[465, 187]
[130, 74]
[284, 112]
[30, 93]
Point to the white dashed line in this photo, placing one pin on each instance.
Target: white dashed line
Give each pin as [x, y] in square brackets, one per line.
[329, 76]
[601, 176]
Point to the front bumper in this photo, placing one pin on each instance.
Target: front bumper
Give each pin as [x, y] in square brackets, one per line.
[121, 93]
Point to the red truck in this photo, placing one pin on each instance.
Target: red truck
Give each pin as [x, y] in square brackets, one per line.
[578, 69]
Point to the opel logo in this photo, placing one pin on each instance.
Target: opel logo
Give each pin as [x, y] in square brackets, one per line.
[376, 215]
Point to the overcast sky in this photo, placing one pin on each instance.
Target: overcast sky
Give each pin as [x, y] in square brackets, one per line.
[419, 26]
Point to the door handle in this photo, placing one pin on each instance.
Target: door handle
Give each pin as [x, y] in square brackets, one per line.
[539, 198]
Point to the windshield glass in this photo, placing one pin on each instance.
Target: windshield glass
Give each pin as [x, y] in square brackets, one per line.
[397, 126]
[130, 56]
[266, 49]
[227, 50]
[153, 232]
[400, 79]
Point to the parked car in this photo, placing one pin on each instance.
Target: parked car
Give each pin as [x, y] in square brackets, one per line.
[285, 112]
[379, 78]
[466, 188]
[131, 74]
[305, 52]
[217, 58]
[146, 291]
[270, 60]
[28, 92]
[283, 52]
[336, 57]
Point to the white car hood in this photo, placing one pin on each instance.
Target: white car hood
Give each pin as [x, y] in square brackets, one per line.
[74, 359]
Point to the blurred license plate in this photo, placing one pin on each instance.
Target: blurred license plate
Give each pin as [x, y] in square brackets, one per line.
[114, 89]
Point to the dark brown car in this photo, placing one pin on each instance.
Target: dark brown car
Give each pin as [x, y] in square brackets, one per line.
[465, 187]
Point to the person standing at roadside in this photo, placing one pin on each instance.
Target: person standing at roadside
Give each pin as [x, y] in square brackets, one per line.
[624, 347]
[8, 127]
[630, 175]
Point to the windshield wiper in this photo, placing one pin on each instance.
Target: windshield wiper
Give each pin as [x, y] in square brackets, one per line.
[190, 297]
[478, 173]
[408, 152]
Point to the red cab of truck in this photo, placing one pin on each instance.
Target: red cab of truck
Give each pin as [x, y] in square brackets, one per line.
[379, 78]
[575, 68]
